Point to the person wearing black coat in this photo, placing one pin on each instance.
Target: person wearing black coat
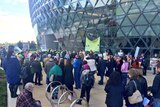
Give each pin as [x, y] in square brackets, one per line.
[36, 66]
[131, 88]
[68, 74]
[118, 64]
[143, 83]
[144, 64]
[61, 64]
[110, 66]
[27, 73]
[101, 69]
[114, 90]
[156, 84]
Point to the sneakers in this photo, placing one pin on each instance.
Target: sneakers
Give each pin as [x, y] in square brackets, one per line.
[100, 83]
[79, 102]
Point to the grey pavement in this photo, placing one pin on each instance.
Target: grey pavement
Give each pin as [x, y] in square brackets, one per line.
[98, 94]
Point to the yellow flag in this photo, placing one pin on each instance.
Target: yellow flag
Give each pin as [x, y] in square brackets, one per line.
[92, 45]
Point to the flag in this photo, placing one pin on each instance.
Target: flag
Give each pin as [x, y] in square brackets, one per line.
[92, 45]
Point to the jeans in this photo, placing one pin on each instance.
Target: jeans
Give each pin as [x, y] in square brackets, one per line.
[77, 76]
[85, 90]
[124, 79]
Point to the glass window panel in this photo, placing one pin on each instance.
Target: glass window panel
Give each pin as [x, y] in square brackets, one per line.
[156, 19]
[156, 29]
[105, 1]
[126, 6]
[149, 16]
[74, 5]
[141, 4]
[89, 5]
[134, 8]
[156, 43]
[141, 29]
[120, 33]
[141, 20]
[126, 1]
[126, 22]
[150, 7]
[119, 11]
[119, 19]
[126, 30]
[93, 2]
[133, 17]
[99, 4]
[83, 3]
[157, 2]
[133, 32]
[148, 41]
[149, 32]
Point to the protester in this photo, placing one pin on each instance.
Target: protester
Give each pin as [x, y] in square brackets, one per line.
[144, 64]
[156, 87]
[132, 87]
[110, 65]
[49, 64]
[101, 69]
[143, 82]
[114, 90]
[26, 72]
[68, 74]
[77, 63]
[55, 74]
[124, 71]
[12, 69]
[25, 99]
[37, 68]
[87, 82]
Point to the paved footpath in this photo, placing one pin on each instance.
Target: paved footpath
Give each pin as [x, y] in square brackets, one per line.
[98, 94]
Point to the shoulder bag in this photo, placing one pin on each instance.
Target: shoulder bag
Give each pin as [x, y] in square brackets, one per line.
[136, 97]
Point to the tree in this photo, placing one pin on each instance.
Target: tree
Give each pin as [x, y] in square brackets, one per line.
[20, 45]
[32, 45]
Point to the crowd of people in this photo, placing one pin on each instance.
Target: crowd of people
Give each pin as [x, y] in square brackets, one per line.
[124, 74]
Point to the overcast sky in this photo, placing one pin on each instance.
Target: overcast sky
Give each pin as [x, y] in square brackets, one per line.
[15, 23]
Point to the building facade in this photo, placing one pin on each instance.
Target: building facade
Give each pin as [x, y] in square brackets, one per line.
[121, 24]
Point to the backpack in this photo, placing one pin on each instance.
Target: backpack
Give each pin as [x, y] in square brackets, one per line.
[24, 72]
[89, 79]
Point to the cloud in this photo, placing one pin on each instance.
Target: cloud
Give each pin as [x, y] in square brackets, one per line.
[15, 28]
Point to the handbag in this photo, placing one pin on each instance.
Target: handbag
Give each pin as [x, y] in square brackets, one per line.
[136, 97]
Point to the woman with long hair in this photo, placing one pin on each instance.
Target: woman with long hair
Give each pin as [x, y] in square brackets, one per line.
[131, 87]
[114, 90]
[68, 74]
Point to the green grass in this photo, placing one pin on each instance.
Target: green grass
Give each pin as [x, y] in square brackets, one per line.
[3, 89]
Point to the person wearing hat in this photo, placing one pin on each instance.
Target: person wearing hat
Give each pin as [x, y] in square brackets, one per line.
[25, 99]
[12, 69]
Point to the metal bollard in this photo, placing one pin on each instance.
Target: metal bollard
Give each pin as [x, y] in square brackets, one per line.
[62, 91]
[46, 94]
[67, 92]
[74, 102]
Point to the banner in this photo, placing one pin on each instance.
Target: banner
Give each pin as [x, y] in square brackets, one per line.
[92, 45]
[136, 52]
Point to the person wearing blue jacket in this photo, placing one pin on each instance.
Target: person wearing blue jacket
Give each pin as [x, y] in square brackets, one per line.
[77, 64]
[12, 69]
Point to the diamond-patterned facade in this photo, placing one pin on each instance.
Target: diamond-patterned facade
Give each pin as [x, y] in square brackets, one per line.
[121, 24]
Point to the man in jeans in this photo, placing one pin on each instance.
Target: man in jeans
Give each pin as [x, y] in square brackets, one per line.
[156, 88]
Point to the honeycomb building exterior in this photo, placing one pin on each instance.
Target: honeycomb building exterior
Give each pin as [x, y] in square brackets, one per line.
[121, 24]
